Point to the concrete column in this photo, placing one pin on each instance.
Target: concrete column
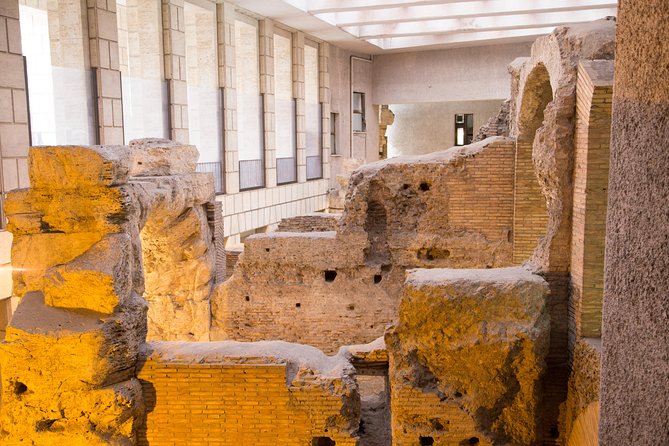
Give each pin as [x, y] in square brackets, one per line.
[324, 93]
[635, 329]
[266, 54]
[298, 92]
[104, 59]
[174, 45]
[225, 25]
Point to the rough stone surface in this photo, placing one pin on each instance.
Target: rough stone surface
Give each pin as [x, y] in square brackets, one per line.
[85, 236]
[158, 157]
[635, 339]
[466, 357]
[328, 289]
[313, 222]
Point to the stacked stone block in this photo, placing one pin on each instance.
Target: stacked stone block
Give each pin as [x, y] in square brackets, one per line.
[80, 255]
[466, 357]
[70, 349]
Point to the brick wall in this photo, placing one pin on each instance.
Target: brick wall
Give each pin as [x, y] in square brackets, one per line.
[313, 222]
[249, 402]
[591, 175]
[463, 219]
[530, 214]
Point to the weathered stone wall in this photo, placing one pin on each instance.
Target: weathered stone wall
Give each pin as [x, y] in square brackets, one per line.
[542, 110]
[497, 125]
[314, 222]
[226, 393]
[466, 357]
[328, 289]
[79, 265]
[575, 414]
[635, 370]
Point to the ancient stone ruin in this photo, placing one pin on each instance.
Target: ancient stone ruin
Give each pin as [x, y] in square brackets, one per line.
[440, 294]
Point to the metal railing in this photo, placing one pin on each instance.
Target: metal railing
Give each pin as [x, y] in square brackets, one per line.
[314, 167]
[251, 174]
[216, 169]
[286, 170]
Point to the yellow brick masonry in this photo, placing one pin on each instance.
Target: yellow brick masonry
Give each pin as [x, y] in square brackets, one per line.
[593, 127]
[205, 404]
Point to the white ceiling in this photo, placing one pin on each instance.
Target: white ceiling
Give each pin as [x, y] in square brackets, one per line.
[380, 26]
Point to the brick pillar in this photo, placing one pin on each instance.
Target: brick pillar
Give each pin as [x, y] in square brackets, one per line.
[104, 57]
[225, 25]
[174, 45]
[300, 117]
[324, 98]
[266, 53]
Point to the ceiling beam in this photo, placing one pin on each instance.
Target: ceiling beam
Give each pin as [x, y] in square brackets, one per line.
[474, 38]
[458, 10]
[445, 26]
[325, 6]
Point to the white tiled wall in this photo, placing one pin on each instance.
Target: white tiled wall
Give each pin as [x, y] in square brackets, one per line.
[248, 210]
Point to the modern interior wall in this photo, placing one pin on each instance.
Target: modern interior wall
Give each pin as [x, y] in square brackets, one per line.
[350, 73]
[430, 126]
[460, 74]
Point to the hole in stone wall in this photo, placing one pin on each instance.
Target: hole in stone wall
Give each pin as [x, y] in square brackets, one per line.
[298, 305]
[330, 276]
[433, 253]
[425, 441]
[322, 441]
[474, 440]
[350, 307]
[247, 298]
[44, 425]
[405, 186]
[377, 278]
[555, 433]
[457, 395]
[20, 388]
[424, 186]
[267, 249]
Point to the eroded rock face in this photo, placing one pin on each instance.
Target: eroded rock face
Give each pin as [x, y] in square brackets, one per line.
[69, 355]
[466, 357]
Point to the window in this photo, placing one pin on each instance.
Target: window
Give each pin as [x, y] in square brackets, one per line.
[358, 112]
[204, 97]
[284, 108]
[333, 133]
[312, 111]
[140, 61]
[249, 104]
[464, 129]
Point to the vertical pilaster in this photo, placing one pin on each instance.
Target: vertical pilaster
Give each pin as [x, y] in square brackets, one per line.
[225, 25]
[324, 99]
[14, 131]
[266, 53]
[174, 45]
[300, 108]
[104, 58]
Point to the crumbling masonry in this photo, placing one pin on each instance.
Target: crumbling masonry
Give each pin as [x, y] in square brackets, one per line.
[448, 275]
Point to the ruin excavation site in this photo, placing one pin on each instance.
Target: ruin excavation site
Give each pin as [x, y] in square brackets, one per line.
[273, 224]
